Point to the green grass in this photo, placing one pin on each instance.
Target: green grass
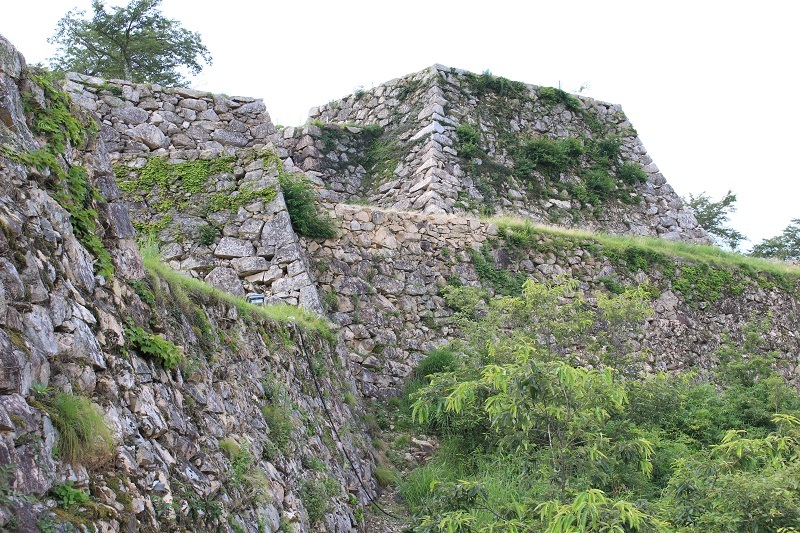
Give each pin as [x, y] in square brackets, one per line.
[301, 203]
[83, 435]
[386, 477]
[282, 313]
[447, 465]
[524, 234]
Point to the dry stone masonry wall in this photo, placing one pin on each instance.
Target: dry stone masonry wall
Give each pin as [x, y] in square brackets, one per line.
[384, 275]
[427, 173]
[215, 425]
[234, 435]
[213, 200]
[144, 118]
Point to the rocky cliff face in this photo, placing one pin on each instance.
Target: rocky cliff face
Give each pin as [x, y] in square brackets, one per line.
[221, 416]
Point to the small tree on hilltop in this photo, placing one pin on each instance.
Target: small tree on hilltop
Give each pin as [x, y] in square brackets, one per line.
[135, 42]
[713, 216]
[785, 246]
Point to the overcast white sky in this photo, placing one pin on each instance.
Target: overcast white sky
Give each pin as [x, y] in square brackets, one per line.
[708, 84]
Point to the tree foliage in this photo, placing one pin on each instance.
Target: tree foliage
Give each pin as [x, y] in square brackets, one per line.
[549, 424]
[713, 216]
[784, 246]
[135, 43]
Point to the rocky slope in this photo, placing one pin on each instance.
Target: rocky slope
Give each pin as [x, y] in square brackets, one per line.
[222, 417]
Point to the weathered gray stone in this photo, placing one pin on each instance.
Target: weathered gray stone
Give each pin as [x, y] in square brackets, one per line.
[119, 222]
[172, 251]
[80, 345]
[150, 135]
[193, 104]
[39, 329]
[11, 281]
[255, 108]
[225, 279]
[230, 138]
[230, 247]
[246, 266]
[131, 115]
[11, 61]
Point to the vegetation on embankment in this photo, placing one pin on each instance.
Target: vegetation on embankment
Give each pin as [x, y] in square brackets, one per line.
[702, 274]
[281, 313]
[548, 424]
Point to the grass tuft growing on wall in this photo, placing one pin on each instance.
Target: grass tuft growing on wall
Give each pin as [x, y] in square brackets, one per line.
[301, 203]
[84, 437]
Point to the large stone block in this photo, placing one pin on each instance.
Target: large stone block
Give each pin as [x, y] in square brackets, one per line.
[225, 279]
[149, 135]
[230, 247]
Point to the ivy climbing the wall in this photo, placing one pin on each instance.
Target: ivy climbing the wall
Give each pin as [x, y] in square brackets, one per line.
[54, 120]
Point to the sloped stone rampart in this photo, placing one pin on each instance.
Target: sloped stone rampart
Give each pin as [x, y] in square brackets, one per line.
[254, 247]
[224, 440]
[421, 112]
[386, 269]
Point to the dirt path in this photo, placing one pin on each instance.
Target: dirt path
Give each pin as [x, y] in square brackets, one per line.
[377, 522]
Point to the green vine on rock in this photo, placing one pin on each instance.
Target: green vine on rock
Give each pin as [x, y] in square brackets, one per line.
[156, 346]
[57, 123]
[191, 175]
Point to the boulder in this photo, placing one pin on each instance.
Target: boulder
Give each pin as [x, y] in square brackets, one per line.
[149, 135]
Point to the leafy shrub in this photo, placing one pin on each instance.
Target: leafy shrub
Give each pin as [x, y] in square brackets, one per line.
[302, 206]
[504, 282]
[785, 246]
[631, 173]
[312, 463]
[554, 96]
[156, 346]
[84, 436]
[142, 289]
[315, 500]
[206, 234]
[440, 359]
[69, 496]
[464, 300]
[279, 421]
[486, 82]
[595, 162]
[468, 141]
[550, 157]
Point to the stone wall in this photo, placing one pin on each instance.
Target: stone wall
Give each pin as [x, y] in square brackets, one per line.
[232, 229]
[227, 440]
[250, 246]
[384, 273]
[420, 113]
[140, 118]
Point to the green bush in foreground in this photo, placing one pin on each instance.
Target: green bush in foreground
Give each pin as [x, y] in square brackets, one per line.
[547, 423]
